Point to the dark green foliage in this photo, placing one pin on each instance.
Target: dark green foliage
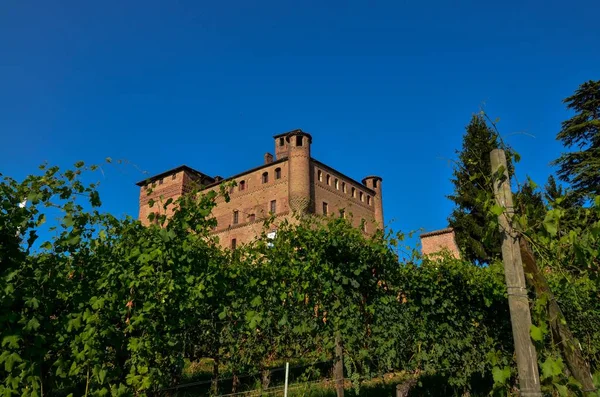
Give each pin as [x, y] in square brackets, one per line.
[580, 167]
[109, 307]
[476, 235]
[529, 201]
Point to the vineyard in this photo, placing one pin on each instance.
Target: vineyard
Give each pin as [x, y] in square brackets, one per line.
[96, 305]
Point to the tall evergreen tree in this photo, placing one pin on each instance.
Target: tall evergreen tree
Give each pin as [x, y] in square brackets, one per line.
[472, 221]
[581, 167]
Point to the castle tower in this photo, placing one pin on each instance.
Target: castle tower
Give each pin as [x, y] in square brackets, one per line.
[374, 183]
[298, 144]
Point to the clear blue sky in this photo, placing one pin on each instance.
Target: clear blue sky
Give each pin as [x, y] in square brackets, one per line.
[384, 87]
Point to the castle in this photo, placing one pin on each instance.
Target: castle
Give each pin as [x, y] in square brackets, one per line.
[291, 182]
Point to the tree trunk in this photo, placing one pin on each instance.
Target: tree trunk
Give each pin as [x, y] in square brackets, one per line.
[403, 388]
[215, 377]
[560, 330]
[338, 367]
[266, 378]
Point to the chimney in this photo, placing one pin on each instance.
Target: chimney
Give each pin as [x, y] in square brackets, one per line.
[268, 158]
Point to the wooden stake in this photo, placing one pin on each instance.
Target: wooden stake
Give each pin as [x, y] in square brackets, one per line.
[338, 367]
[518, 302]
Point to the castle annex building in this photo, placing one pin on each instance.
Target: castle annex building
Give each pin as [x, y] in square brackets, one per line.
[292, 181]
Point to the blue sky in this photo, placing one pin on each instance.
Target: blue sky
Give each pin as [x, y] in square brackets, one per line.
[384, 87]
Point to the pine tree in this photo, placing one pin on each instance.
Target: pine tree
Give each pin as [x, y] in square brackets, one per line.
[476, 235]
[581, 168]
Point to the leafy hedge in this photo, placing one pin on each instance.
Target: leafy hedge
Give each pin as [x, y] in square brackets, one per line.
[109, 307]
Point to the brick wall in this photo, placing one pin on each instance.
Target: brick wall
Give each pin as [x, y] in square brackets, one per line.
[255, 200]
[439, 240]
[170, 186]
[337, 199]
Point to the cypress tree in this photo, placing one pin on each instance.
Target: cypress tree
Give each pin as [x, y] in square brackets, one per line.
[477, 234]
[580, 168]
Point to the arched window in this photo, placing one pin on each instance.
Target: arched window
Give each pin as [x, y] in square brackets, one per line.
[320, 175]
[277, 173]
[337, 184]
[298, 140]
[369, 200]
[265, 177]
[353, 193]
[361, 196]
[242, 185]
[344, 187]
[328, 179]
[374, 182]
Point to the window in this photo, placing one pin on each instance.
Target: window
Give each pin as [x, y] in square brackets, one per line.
[145, 187]
[374, 182]
[233, 243]
[344, 187]
[281, 141]
[337, 184]
[160, 181]
[363, 225]
[325, 208]
[174, 176]
[343, 214]
[369, 200]
[242, 185]
[298, 140]
[251, 217]
[361, 196]
[277, 173]
[353, 192]
[328, 179]
[236, 217]
[273, 207]
[320, 176]
[265, 177]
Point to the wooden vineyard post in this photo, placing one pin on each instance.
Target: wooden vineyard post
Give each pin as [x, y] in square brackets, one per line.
[518, 302]
[338, 367]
